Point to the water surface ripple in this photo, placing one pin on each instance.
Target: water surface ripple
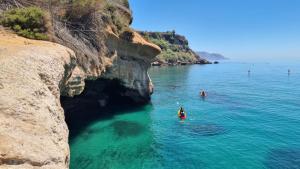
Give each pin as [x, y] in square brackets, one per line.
[247, 121]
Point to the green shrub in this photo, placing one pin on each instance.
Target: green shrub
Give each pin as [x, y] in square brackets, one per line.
[28, 22]
[118, 20]
[174, 47]
[80, 8]
[161, 43]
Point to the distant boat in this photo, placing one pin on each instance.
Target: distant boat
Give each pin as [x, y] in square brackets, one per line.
[156, 64]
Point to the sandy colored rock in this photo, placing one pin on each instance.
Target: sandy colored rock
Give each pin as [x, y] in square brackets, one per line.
[133, 59]
[33, 132]
[33, 76]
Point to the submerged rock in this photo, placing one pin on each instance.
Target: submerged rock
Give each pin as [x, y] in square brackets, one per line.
[127, 128]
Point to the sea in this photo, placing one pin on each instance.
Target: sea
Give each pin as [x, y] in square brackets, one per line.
[250, 119]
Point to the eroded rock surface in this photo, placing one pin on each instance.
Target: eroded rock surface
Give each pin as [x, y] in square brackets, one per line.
[33, 132]
[34, 74]
[131, 65]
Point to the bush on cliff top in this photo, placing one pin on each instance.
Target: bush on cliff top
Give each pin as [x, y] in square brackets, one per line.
[28, 22]
[80, 8]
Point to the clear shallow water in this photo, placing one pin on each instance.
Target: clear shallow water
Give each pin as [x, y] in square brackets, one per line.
[247, 121]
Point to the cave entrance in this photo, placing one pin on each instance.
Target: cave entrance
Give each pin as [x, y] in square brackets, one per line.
[101, 99]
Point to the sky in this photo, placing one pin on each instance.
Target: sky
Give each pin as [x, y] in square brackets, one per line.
[238, 29]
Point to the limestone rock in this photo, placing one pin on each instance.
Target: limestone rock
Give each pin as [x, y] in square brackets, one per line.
[33, 132]
[34, 74]
[134, 57]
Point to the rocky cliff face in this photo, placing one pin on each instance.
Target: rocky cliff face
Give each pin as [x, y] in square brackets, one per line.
[35, 74]
[33, 133]
[135, 56]
[98, 32]
[107, 48]
[175, 48]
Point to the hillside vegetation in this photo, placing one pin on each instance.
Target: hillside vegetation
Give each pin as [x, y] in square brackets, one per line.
[29, 22]
[33, 18]
[175, 48]
[82, 25]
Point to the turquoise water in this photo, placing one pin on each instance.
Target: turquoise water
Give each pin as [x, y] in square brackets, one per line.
[247, 121]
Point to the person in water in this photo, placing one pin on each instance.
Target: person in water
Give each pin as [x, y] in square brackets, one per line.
[203, 93]
[181, 112]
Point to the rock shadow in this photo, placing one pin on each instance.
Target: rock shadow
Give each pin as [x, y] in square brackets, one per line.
[102, 99]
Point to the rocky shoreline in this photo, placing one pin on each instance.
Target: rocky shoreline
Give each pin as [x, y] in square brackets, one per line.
[201, 62]
[36, 75]
[103, 61]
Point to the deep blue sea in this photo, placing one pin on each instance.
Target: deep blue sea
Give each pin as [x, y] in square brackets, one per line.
[247, 121]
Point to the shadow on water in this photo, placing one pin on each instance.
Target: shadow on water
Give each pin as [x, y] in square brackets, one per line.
[122, 142]
[283, 159]
[85, 109]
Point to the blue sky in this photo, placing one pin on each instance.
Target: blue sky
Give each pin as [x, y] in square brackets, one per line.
[239, 29]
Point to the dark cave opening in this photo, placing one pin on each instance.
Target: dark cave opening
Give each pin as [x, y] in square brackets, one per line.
[101, 99]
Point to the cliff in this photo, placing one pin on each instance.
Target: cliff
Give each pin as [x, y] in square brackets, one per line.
[175, 48]
[96, 30]
[90, 42]
[32, 128]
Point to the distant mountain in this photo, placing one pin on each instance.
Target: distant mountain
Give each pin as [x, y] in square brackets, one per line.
[211, 56]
